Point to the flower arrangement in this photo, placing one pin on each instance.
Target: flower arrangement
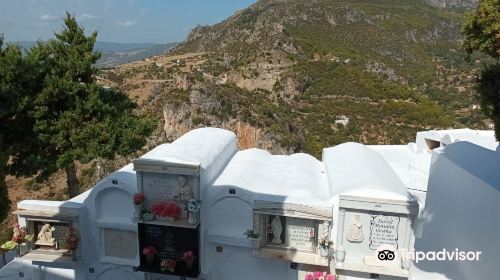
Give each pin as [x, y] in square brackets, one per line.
[139, 198]
[20, 236]
[318, 275]
[251, 234]
[193, 205]
[72, 239]
[188, 257]
[166, 209]
[325, 242]
[168, 264]
[150, 253]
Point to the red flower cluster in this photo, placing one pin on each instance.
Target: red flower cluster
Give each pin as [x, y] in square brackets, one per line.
[149, 250]
[139, 198]
[318, 275]
[186, 255]
[19, 234]
[166, 209]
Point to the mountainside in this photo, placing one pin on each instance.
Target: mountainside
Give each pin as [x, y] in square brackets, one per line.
[293, 76]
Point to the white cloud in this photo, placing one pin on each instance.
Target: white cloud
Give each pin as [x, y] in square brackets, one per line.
[126, 23]
[48, 17]
[86, 17]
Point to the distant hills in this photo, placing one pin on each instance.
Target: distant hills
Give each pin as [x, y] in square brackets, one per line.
[119, 53]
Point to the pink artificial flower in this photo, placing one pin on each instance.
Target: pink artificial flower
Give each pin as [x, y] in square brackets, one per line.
[330, 277]
[188, 255]
[317, 275]
[308, 277]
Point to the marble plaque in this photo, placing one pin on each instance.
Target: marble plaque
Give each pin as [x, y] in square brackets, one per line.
[168, 187]
[384, 230]
[300, 233]
[120, 243]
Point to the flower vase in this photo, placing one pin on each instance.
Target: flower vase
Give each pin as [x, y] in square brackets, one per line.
[150, 258]
[192, 217]
[255, 245]
[73, 255]
[323, 252]
[189, 262]
[138, 210]
[18, 250]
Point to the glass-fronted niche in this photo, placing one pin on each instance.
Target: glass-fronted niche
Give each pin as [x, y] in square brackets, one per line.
[50, 237]
[169, 250]
[291, 232]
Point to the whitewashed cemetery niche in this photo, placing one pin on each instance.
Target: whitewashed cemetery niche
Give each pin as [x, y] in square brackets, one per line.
[54, 237]
[374, 234]
[292, 232]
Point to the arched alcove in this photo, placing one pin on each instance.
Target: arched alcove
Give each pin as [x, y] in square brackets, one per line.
[113, 204]
[230, 217]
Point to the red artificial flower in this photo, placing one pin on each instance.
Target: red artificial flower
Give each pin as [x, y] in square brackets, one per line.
[149, 250]
[139, 198]
[166, 209]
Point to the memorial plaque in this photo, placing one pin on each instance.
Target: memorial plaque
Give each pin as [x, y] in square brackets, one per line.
[168, 187]
[171, 244]
[290, 232]
[300, 233]
[120, 243]
[384, 230]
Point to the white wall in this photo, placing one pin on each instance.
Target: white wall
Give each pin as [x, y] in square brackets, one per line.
[462, 211]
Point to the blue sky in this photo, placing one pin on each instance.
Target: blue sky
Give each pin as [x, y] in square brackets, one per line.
[158, 21]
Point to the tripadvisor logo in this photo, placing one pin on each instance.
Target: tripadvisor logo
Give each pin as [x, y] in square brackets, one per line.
[386, 255]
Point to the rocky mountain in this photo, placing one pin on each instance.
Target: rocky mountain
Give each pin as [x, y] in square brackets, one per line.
[293, 75]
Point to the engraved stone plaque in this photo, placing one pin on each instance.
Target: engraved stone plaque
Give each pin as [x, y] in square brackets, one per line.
[168, 187]
[120, 243]
[383, 230]
[300, 233]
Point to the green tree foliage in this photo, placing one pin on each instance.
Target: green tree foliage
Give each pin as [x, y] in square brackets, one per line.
[15, 89]
[482, 33]
[481, 30]
[489, 89]
[74, 119]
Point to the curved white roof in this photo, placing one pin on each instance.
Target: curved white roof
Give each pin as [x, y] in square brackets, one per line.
[355, 169]
[298, 178]
[198, 146]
